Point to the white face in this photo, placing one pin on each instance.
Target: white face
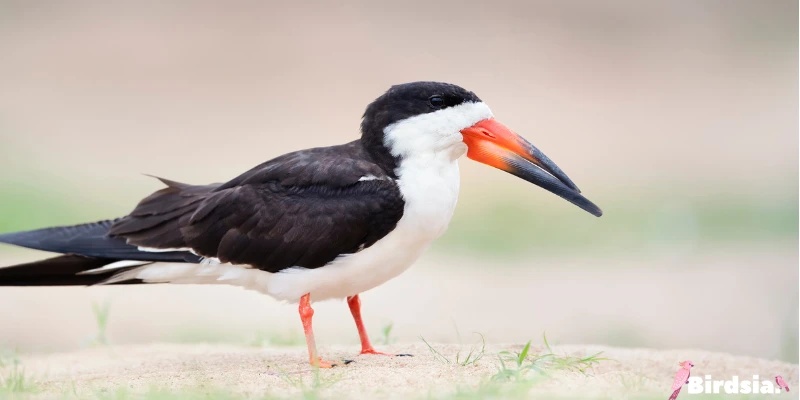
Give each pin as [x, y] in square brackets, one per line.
[434, 132]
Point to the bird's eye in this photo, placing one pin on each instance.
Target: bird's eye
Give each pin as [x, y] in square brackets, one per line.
[436, 101]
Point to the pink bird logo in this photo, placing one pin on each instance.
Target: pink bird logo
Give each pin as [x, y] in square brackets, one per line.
[781, 383]
[681, 377]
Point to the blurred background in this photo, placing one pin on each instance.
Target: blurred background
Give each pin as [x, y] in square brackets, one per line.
[678, 118]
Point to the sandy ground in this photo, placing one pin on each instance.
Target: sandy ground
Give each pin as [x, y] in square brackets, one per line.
[259, 371]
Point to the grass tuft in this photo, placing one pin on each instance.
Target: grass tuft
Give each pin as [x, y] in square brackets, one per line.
[386, 334]
[310, 391]
[516, 366]
[436, 353]
[476, 352]
[14, 379]
[101, 313]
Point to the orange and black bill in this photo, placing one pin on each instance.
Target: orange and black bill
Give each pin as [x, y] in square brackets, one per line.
[492, 143]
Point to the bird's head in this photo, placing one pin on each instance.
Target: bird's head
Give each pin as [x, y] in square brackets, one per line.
[421, 120]
[686, 364]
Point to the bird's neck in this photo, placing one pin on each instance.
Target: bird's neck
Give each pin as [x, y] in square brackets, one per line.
[379, 154]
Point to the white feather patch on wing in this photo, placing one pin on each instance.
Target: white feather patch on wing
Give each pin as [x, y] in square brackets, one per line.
[154, 250]
[113, 266]
[372, 178]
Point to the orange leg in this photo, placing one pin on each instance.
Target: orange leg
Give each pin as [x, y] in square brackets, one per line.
[355, 308]
[306, 312]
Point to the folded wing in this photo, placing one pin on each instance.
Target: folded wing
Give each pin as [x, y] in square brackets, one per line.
[303, 209]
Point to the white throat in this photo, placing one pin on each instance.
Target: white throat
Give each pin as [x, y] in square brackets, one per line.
[428, 147]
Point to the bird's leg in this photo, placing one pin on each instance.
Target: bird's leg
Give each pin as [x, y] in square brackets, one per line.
[306, 312]
[355, 308]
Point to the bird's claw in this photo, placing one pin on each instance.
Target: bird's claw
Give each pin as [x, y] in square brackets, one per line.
[372, 351]
[320, 363]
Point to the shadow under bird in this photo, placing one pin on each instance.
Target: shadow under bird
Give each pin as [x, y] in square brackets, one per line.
[316, 224]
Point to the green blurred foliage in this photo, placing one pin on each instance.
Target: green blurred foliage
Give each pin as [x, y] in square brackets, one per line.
[42, 203]
[509, 228]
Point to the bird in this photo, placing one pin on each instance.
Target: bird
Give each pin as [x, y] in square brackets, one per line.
[781, 383]
[681, 377]
[307, 226]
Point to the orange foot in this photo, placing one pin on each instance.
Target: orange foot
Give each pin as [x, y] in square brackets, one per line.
[372, 351]
[320, 363]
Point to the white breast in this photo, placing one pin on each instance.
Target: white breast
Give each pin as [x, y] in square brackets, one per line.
[430, 191]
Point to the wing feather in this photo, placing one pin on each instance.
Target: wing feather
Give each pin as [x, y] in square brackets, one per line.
[302, 209]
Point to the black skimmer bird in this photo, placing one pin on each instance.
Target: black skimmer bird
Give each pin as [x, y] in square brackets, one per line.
[316, 224]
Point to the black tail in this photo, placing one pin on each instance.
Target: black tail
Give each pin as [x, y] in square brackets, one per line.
[85, 247]
[58, 271]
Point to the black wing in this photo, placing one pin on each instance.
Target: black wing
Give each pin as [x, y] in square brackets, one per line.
[302, 209]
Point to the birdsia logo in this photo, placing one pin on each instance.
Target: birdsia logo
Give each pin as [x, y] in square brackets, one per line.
[735, 385]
